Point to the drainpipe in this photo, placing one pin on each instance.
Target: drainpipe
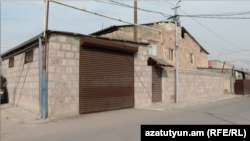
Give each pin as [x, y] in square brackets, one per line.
[46, 13]
[160, 34]
[40, 77]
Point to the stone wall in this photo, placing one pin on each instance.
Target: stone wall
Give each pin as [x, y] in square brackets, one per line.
[63, 75]
[143, 78]
[22, 82]
[228, 77]
[186, 45]
[192, 84]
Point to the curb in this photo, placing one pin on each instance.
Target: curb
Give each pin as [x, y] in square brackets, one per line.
[200, 103]
[172, 106]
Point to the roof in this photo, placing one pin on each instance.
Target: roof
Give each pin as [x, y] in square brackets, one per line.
[116, 27]
[161, 62]
[35, 39]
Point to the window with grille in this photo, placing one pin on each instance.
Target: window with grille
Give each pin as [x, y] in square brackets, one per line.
[171, 54]
[28, 56]
[11, 62]
[152, 49]
[191, 58]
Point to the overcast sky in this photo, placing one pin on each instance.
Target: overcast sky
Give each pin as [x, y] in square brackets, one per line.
[21, 20]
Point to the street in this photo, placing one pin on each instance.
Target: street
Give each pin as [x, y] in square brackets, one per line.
[124, 125]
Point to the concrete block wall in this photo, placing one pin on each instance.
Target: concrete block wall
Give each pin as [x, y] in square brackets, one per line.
[192, 84]
[63, 75]
[23, 82]
[142, 78]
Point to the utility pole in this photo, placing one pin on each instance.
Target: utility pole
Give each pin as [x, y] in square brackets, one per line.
[83, 5]
[176, 18]
[135, 21]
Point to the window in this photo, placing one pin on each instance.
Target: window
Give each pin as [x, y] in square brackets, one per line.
[28, 57]
[191, 58]
[152, 49]
[11, 62]
[171, 54]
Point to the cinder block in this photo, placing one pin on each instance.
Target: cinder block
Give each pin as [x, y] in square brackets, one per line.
[53, 45]
[75, 47]
[61, 38]
[60, 53]
[69, 55]
[60, 69]
[66, 46]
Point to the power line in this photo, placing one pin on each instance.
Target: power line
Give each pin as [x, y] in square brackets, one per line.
[70, 20]
[243, 18]
[162, 3]
[224, 14]
[212, 31]
[128, 6]
[169, 3]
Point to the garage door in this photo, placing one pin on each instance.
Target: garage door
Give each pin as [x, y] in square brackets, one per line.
[106, 79]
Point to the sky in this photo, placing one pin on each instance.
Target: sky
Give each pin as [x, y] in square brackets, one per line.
[225, 39]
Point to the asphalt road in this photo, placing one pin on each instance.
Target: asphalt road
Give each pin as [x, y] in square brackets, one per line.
[124, 125]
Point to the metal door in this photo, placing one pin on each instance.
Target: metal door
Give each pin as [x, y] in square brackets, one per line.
[156, 84]
[106, 80]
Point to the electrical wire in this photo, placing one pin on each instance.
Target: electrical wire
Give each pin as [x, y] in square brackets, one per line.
[128, 6]
[243, 18]
[212, 31]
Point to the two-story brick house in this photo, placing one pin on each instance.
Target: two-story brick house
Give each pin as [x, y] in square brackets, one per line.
[191, 53]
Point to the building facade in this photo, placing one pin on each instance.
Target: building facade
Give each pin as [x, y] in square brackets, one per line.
[86, 74]
[191, 53]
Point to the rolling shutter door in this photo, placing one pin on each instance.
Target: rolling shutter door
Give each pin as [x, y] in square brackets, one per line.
[106, 79]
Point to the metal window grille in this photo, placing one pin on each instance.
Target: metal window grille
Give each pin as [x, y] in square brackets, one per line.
[28, 56]
[11, 62]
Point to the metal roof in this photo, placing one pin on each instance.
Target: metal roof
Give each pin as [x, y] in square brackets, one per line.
[35, 38]
[22, 44]
[161, 62]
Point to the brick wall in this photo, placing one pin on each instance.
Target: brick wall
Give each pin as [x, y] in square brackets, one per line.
[192, 84]
[23, 82]
[63, 75]
[143, 78]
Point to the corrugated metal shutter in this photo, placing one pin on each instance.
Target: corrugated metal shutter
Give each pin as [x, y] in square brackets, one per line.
[106, 80]
[156, 84]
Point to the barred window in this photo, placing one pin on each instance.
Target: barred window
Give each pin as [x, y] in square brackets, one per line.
[28, 57]
[11, 62]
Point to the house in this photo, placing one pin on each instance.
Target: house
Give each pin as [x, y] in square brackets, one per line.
[86, 74]
[218, 64]
[190, 53]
